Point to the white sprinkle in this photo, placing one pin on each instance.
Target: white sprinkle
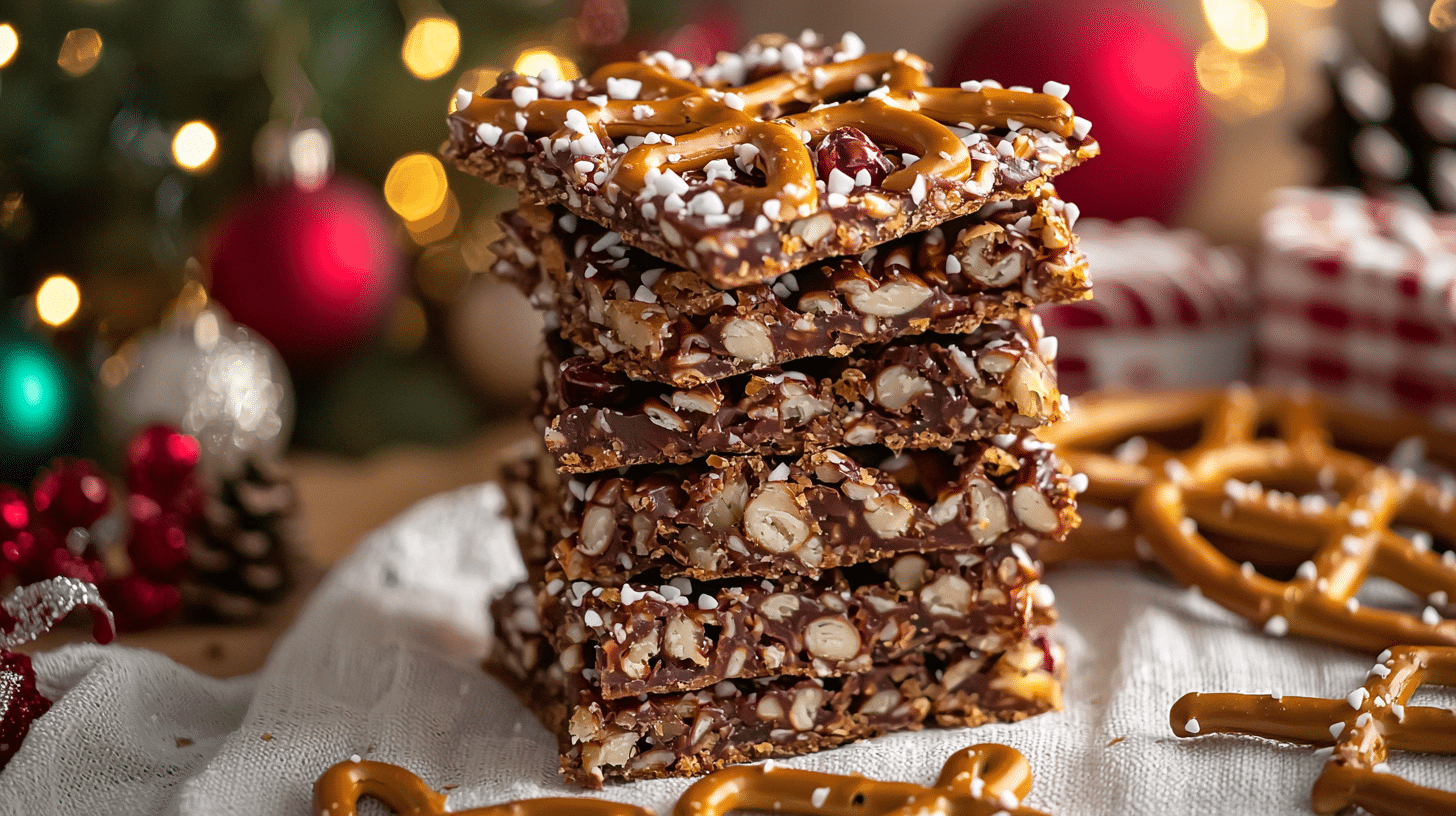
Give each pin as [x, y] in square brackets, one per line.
[768, 765]
[1381, 767]
[1116, 518]
[1008, 800]
[1176, 470]
[1379, 669]
[733, 101]
[1013, 124]
[524, 95]
[1057, 89]
[1430, 616]
[1324, 753]
[839, 182]
[1421, 540]
[576, 121]
[1189, 527]
[1246, 569]
[1357, 698]
[850, 46]
[1277, 626]
[1307, 571]
[771, 208]
[917, 190]
[554, 587]
[592, 618]
[669, 592]
[1383, 656]
[1080, 127]
[488, 133]
[1360, 518]
[707, 603]
[1078, 483]
[952, 265]
[792, 55]
[972, 85]
[1336, 729]
[1352, 605]
[1276, 695]
[1437, 598]
[630, 595]
[1191, 726]
[1351, 545]
[864, 82]
[820, 795]
[1362, 720]
[463, 98]
[780, 473]
[622, 88]
[1072, 213]
[1399, 711]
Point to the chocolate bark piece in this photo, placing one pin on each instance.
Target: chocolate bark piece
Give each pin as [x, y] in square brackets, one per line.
[641, 316]
[686, 635]
[948, 684]
[735, 171]
[773, 516]
[923, 391]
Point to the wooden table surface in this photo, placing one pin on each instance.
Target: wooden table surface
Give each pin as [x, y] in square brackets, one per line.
[341, 500]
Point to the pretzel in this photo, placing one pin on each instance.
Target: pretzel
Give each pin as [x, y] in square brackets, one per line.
[1214, 485]
[980, 780]
[976, 781]
[1358, 730]
[338, 791]
[691, 117]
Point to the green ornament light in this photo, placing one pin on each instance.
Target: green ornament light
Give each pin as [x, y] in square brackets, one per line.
[39, 404]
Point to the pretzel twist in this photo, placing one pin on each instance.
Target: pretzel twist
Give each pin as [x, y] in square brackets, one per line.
[911, 115]
[975, 781]
[1359, 735]
[1178, 496]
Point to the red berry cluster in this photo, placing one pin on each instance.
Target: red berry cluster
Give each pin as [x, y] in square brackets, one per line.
[48, 533]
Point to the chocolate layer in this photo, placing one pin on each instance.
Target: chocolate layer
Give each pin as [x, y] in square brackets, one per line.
[919, 392]
[636, 314]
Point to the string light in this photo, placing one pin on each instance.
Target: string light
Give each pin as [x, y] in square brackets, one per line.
[415, 187]
[1247, 85]
[80, 51]
[57, 300]
[431, 47]
[533, 61]
[1443, 14]
[194, 145]
[438, 225]
[9, 44]
[1241, 25]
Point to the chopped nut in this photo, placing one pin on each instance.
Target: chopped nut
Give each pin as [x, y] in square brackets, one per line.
[769, 708]
[703, 400]
[996, 361]
[774, 520]
[773, 656]
[701, 552]
[820, 303]
[779, 606]
[1031, 387]
[634, 660]
[949, 594]
[725, 509]
[630, 324]
[748, 340]
[908, 572]
[988, 512]
[616, 750]
[662, 416]
[684, 639]
[799, 405]
[831, 638]
[736, 662]
[652, 759]
[896, 387]
[805, 706]
[814, 228]
[881, 703]
[892, 518]
[1033, 510]
[978, 256]
[597, 526]
[960, 673]
[890, 300]
[585, 724]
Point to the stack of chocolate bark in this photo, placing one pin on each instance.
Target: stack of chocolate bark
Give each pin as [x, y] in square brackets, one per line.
[790, 495]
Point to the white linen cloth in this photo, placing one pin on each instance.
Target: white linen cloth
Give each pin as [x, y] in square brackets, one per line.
[384, 663]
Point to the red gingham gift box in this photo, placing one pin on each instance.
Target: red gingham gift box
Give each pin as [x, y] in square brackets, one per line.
[1357, 297]
[1168, 311]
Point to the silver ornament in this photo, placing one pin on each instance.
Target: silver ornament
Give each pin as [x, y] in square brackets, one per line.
[208, 377]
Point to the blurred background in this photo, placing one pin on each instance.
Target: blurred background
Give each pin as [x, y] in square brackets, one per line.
[278, 159]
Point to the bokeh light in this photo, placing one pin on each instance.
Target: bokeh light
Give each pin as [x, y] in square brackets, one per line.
[1443, 14]
[311, 157]
[57, 300]
[1241, 25]
[34, 405]
[415, 187]
[431, 47]
[1246, 85]
[533, 61]
[194, 145]
[9, 44]
[80, 51]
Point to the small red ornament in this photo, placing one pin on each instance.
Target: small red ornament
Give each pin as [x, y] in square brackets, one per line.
[160, 461]
[17, 542]
[1131, 75]
[141, 604]
[70, 493]
[310, 270]
[158, 542]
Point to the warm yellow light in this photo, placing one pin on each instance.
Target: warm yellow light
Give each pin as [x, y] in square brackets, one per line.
[9, 44]
[1443, 14]
[431, 47]
[533, 61]
[438, 225]
[1241, 25]
[194, 145]
[1218, 70]
[415, 187]
[80, 51]
[1317, 3]
[1245, 85]
[57, 300]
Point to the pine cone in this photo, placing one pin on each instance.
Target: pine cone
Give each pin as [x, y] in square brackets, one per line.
[241, 549]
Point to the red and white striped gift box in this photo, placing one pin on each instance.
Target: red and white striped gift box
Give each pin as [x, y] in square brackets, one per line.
[1357, 296]
[1168, 311]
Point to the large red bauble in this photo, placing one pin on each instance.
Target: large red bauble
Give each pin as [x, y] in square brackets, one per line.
[310, 270]
[1131, 75]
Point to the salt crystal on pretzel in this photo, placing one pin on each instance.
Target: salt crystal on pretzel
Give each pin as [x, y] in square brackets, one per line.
[1357, 731]
[715, 167]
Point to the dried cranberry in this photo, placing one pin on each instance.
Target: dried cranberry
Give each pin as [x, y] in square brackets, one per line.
[72, 493]
[1049, 658]
[141, 604]
[583, 382]
[20, 702]
[849, 151]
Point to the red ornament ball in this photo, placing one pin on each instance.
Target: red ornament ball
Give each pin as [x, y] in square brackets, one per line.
[141, 604]
[71, 493]
[1131, 74]
[21, 703]
[17, 542]
[158, 542]
[312, 270]
[161, 464]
